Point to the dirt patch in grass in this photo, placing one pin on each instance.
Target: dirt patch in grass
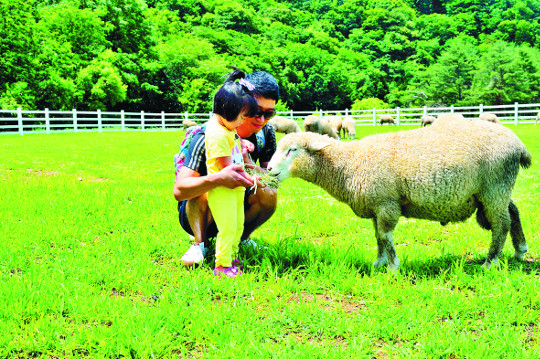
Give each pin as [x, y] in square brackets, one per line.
[41, 173]
[93, 179]
[326, 301]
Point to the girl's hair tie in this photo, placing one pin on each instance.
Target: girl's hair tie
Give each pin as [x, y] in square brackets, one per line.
[246, 84]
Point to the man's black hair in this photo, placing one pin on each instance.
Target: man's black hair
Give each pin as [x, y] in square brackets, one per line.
[265, 85]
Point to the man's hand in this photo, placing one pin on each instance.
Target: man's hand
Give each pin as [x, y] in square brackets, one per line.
[247, 146]
[234, 176]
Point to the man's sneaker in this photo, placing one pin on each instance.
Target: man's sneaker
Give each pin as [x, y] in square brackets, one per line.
[195, 254]
[249, 243]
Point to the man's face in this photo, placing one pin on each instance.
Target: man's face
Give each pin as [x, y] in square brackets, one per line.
[253, 125]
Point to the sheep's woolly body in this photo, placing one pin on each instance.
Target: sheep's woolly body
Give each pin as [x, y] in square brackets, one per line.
[284, 124]
[443, 172]
[336, 123]
[427, 120]
[188, 123]
[491, 117]
[450, 116]
[319, 125]
[386, 119]
[349, 127]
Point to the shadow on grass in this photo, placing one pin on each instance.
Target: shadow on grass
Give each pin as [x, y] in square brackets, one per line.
[292, 256]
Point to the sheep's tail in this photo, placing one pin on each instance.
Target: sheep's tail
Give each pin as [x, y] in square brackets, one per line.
[525, 159]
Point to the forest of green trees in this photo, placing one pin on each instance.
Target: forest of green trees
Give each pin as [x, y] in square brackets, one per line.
[170, 55]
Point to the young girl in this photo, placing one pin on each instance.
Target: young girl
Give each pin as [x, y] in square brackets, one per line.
[232, 102]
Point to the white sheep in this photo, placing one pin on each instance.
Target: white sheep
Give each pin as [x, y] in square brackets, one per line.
[491, 117]
[336, 123]
[349, 127]
[443, 172]
[188, 123]
[386, 119]
[284, 124]
[427, 120]
[450, 116]
[319, 125]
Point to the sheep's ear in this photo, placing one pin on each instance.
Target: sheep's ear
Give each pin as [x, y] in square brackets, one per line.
[317, 146]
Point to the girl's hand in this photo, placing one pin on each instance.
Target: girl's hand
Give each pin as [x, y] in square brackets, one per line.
[234, 176]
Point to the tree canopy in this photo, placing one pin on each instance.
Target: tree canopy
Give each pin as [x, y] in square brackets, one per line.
[170, 55]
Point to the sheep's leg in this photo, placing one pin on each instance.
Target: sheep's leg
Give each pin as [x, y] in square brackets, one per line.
[386, 221]
[500, 225]
[382, 258]
[393, 260]
[516, 231]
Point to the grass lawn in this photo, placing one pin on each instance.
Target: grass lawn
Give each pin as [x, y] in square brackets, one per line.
[90, 267]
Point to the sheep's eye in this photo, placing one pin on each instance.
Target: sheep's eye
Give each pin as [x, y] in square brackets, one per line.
[292, 149]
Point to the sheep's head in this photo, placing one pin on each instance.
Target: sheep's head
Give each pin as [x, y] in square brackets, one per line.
[294, 155]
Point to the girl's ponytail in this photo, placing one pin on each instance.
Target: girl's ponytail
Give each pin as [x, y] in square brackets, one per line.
[235, 75]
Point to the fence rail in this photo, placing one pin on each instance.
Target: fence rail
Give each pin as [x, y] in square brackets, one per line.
[47, 121]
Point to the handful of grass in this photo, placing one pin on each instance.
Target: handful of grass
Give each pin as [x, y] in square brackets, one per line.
[265, 178]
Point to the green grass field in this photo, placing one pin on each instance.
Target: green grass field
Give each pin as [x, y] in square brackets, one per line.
[90, 267]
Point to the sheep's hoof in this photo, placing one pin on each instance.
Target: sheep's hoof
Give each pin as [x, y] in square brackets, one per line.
[520, 255]
[380, 262]
[488, 264]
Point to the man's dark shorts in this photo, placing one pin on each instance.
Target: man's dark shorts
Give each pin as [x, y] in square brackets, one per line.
[212, 231]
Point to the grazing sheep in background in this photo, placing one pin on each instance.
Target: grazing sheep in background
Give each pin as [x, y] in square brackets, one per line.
[188, 123]
[427, 120]
[349, 127]
[336, 123]
[319, 125]
[284, 124]
[491, 117]
[443, 173]
[386, 119]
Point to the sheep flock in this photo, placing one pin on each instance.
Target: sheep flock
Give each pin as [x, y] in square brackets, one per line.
[444, 172]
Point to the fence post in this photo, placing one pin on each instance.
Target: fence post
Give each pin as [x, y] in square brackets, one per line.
[452, 109]
[163, 121]
[516, 113]
[346, 112]
[20, 121]
[292, 115]
[374, 116]
[123, 120]
[100, 124]
[142, 120]
[75, 124]
[425, 110]
[47, 122]
[398, 118]
[481, 109]
[321, 113]
[186, 117]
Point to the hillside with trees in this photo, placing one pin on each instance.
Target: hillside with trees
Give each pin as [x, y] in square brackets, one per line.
[170, 55]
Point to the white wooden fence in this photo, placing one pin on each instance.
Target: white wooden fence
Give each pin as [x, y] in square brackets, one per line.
[46, 121]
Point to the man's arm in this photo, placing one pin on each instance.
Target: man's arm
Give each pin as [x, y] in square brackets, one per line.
[190, 184]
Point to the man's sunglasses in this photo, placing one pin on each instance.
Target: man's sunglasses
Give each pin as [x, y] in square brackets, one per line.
[267, 114]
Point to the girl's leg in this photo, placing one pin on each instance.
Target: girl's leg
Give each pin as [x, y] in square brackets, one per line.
[222, 202]
[240, 220]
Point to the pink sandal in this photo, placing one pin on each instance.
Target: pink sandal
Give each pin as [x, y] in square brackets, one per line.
[230, 272]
